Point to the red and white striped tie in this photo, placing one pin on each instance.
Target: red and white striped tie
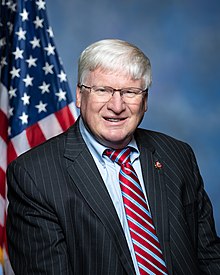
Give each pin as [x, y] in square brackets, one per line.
[143, 234]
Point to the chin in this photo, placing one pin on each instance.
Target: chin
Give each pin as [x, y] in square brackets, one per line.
[117, 142]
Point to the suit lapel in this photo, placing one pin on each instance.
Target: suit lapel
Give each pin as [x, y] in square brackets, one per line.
[154, 180]
[85, 175]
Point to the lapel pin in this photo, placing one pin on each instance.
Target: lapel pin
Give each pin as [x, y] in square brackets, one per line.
[158, 165]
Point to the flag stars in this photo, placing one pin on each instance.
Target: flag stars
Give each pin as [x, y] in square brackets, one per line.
[44, 88]
[24, 118]
[15, 72]
[28, 80]
[48, 68]
[35, 43]
[50, 49]
[29, 72]
[41, 107]
[2, 42]
[24, 15]
[12, 6]
[8, 3]
[38, 22]
[41, 4]
[3, 61]
[18, 53]
[10, 27]
[31, 61]
[50, 31]
[62, 76]
[26, 99]
[61, 95]
[21, 34]
[10, 111]
[12, 92]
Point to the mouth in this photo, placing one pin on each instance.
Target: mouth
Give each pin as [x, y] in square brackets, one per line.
[114, 119]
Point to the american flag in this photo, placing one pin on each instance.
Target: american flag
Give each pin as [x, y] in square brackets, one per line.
[35, 99]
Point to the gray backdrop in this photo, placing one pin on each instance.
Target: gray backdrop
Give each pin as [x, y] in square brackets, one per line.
[182, 40]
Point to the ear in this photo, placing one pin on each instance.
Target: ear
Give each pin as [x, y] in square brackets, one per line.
[78, 97]
[146, 102]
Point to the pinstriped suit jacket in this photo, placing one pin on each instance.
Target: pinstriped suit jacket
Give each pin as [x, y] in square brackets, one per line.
[61, 219]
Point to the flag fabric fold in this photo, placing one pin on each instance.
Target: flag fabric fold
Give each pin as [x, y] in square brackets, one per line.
[35, 99]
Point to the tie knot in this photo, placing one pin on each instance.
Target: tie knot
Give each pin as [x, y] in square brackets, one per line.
[121, 156]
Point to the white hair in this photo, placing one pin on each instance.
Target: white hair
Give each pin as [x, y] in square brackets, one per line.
[115, 55]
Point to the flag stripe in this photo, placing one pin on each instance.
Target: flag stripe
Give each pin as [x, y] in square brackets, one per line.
[4, 126]
[65, 118]
[2, 212]
[72, 109]
[35, 135]
[11, 153]
[3, 99]
[20, 143]
[2, 179]
[3, 154]
[50, 126]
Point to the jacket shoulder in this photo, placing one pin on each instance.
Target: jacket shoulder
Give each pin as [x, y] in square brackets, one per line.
[162, 143]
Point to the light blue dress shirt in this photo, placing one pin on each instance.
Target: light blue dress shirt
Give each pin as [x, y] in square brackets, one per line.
[110, 174]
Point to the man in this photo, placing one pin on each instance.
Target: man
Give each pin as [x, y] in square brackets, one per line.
[107, 198]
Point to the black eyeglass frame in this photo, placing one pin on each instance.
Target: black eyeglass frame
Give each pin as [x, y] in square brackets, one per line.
[121, 91]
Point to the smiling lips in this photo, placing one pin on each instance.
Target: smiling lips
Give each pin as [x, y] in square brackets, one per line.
[114, 119]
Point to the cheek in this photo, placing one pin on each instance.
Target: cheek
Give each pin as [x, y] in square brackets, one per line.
[84, 102]
[90, 111]
[138, 114]
[141, 109]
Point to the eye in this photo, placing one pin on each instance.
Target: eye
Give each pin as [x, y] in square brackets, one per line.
[100, 90]
[130, 92]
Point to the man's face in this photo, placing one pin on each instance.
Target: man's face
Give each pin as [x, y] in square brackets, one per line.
[114, 122]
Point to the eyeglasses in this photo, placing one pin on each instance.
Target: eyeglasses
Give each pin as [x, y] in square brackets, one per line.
[105, 93]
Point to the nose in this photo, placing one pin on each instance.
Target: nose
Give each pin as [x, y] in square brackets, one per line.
[116, 103]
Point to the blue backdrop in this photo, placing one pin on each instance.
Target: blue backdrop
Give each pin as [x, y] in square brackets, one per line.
[182, 40]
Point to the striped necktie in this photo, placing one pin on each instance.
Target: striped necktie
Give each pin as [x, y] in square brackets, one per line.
[145, 242]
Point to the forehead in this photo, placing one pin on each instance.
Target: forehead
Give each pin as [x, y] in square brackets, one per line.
[115, 79]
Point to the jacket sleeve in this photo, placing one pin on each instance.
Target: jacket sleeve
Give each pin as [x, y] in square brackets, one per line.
[36, 242]
[208, 242]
